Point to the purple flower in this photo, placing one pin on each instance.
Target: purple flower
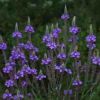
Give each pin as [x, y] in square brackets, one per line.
[91, 38]
[68, 92]
[26, 69]
[61, 56]
[34, 71]
[46, 61]
[9, 83]
[7, 96]
[30, 46]
[29, 29]
[34, 58]
[74, 30]
[30, 71]
[40, 77]
[21, 73]
[3, 46]
[56, 32]
[17, 34]
[77, 83]
[51, 45]
[65, 16]
[96, 60]
[17, 54]
[59, 68]
[91, 46]
[62, 68]
[7, 69]
[46, 38]
[75, 54]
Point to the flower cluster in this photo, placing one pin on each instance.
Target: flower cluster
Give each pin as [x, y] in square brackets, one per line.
[75, 55]
[3, 46]
[9, 67]
[77, 83]
[96, 60]
[29, 75]
[61, 68]
[9, 83]
[74, 30]
[91, 39]
[46, 61]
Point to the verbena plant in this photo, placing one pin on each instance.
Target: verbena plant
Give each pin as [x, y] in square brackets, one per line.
[61, 74]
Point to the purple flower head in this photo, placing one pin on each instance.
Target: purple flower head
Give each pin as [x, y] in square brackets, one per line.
[59, 68]
[51, 45]
[7, 96]
[91, 46]
[17, 34]
[74, 30]
[29, 29]
[26, 69]
[77, 83]
[34, 58]
[17, 54]
[3, 46]
[9, 83]
[75, 55]
[91, 38]
[46, 61]
[96, 60]
[65, 16]
[30, 46]
[68, 92]
[56, 32]
[20, 73]
[61, 56]
[40, 77]
[34, 71]
[46, 38]
[8, 68]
